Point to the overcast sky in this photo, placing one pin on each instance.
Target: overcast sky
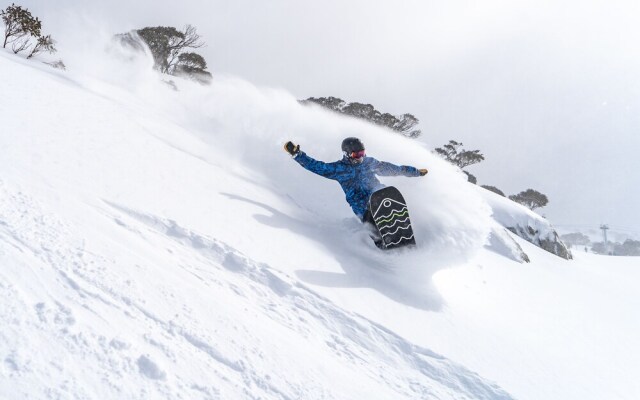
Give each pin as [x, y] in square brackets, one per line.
[548, 90]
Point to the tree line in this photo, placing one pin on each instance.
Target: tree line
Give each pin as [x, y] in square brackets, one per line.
[629, 247]
[403, 124]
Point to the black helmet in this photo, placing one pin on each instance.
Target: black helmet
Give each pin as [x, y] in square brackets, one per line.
[353, 150]
[352, 144]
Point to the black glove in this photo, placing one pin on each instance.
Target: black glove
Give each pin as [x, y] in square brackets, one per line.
[291, 148]
[423, 171]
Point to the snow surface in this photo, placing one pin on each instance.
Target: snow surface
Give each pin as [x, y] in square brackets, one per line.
[160, 244]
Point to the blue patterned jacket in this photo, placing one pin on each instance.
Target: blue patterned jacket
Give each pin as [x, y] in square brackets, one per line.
[358, 181]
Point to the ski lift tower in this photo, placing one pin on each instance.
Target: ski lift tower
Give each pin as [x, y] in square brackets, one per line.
[604, 228]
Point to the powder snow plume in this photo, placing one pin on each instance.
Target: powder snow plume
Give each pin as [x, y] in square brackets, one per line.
[249, 124]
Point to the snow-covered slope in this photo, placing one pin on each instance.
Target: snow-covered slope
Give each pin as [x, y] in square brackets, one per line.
[121, 277]
[159, 244]
[136, 306]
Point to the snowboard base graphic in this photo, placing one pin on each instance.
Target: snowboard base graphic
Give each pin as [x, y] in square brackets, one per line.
[391, 218]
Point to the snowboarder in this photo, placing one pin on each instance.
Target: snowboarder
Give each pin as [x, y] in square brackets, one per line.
[355, 172]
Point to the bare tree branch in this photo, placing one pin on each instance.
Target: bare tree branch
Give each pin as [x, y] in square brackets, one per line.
[189, 39]
[20, 45]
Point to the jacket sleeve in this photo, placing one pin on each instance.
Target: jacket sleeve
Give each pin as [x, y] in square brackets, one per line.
[384, 168]
[327, 170]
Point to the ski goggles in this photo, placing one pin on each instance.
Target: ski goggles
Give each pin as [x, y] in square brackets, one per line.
[357, 154]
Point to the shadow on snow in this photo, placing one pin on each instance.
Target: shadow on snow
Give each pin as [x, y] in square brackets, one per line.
[364, 265]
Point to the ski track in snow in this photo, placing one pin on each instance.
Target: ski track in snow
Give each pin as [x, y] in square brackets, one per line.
[93, 334]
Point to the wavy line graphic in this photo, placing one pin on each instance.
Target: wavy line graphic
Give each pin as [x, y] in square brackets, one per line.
[390, 217]
[392, 225]
[394, 232]
[399, 240]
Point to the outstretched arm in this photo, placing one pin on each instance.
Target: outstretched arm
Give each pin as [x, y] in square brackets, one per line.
[317, 167]
[384, 168]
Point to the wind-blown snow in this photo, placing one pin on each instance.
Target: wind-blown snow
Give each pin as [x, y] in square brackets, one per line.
[160, 244]
[247, 127]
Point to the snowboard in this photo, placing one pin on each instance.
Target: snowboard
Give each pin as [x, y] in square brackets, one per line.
[391, 217]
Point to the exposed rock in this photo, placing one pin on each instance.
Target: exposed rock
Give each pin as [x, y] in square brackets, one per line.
[547, 239]
[525, 223]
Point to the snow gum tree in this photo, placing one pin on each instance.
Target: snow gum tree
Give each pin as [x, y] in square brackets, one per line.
[456, 155]
[20, 27]
[18, 23]
[530, 198]
[453, 153]
[576, 238]
[628, 248]
[194, 66]
[166, 43]
[168, 47]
